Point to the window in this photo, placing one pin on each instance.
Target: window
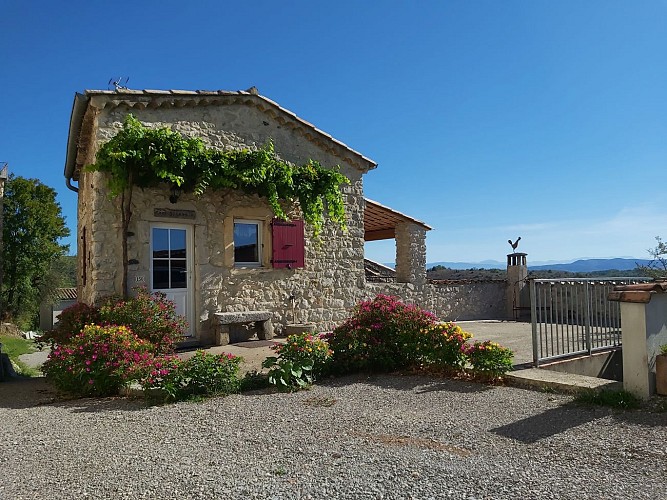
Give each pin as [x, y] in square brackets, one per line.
[169, 258]
[247, 242]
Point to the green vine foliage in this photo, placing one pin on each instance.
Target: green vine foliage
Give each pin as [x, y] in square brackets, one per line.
[145, 157]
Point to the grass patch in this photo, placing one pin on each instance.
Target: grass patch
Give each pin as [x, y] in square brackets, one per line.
[614, 399]
[14, 347]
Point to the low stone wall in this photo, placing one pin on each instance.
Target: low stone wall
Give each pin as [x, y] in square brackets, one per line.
[451, 300]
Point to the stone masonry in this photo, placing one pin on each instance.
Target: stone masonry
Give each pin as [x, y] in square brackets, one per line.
[410, 253]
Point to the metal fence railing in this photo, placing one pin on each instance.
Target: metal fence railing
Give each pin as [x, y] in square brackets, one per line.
[573, 316]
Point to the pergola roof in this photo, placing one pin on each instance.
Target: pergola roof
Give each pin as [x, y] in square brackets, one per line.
[380, 221]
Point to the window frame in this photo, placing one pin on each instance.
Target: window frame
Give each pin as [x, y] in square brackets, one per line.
[260, 246]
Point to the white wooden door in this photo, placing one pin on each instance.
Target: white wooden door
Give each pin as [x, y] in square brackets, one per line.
[171, 266]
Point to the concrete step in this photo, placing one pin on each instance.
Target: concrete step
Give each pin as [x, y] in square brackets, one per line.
[540, 378]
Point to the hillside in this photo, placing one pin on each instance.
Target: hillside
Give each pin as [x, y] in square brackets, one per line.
[578, 266]
[444, 273]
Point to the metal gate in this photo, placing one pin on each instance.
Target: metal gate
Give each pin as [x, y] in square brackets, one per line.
[573, 316]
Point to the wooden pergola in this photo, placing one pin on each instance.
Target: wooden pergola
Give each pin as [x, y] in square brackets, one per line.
[380, 221]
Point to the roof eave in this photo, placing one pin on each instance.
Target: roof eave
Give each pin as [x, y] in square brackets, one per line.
[75, 123]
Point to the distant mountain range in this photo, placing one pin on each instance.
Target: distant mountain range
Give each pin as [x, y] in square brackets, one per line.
[578, 266]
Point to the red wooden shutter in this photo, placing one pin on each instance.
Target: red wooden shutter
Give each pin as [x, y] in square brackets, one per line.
[288, 244]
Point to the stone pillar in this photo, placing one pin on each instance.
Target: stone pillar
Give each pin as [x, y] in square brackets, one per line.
[644, 330]
[410, 253]
[518, 300]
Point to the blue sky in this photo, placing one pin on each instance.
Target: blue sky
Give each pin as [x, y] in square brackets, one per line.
[489, 120]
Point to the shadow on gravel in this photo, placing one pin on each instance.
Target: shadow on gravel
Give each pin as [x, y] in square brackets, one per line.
[417, 383]
[25, 392]
[645, 417]
[548, 423]
[96, 405]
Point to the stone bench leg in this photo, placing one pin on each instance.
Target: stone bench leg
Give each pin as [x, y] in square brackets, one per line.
[266, 330]
[222, 335]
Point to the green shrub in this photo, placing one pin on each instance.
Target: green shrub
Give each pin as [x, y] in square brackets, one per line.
[489, 358]
[151, 316]
[288, 375]
[98, 361]
[383, 334]
[203, 374]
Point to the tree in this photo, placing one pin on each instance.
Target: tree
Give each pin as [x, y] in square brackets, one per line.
[33, 224]
[657, 268]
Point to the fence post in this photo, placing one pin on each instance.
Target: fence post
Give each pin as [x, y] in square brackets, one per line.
[533, 320]
[587, 319]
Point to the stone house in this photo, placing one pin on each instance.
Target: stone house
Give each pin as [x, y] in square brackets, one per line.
[223, 251]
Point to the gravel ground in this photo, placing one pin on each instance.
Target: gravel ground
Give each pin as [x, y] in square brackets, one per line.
[378, 437]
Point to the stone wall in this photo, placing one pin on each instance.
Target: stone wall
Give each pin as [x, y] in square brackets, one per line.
[450, 301]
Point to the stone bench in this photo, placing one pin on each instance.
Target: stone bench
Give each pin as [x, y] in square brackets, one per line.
[224, 320]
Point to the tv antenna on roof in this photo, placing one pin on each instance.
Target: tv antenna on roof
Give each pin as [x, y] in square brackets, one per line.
[118, 83]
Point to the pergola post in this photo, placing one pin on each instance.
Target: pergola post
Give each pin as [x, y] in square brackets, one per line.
[410, 253]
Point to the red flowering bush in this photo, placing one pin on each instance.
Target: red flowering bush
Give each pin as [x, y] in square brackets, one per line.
[383, 334]
[151, 316]
[98, 361]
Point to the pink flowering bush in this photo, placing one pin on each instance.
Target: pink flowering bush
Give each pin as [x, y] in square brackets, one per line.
[201, 375]
[70, 322]
[149, 315]
[97, 361]
[489, 358]
[383, 334]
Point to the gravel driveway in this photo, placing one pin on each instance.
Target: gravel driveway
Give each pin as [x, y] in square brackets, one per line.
[378, 437]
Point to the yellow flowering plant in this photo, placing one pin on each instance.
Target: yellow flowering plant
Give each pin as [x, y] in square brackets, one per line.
[442, 345]
[489, 358]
